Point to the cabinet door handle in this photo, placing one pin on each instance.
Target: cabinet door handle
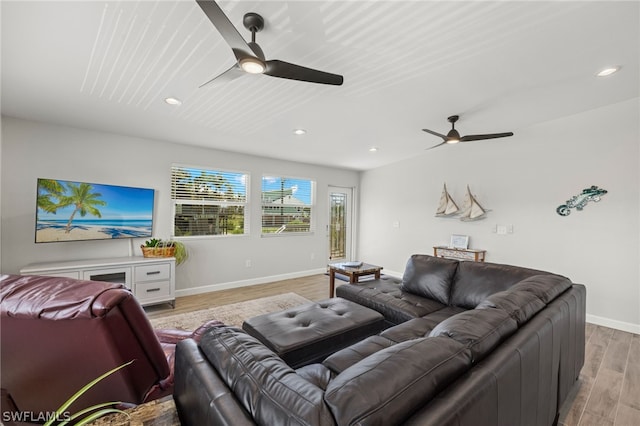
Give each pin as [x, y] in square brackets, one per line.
[149, 290]
[153, 273]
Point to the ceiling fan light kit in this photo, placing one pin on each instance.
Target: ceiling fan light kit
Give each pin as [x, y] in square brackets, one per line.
[252, 65]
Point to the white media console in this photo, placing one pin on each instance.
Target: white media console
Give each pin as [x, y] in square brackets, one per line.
[150, 279]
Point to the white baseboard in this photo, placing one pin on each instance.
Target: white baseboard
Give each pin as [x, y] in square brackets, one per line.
[618, 325]
[243, 283]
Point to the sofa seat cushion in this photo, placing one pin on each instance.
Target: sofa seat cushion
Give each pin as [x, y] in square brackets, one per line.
[430, 277]
[481, 330]
[387, 297]
[475, 281]
[265, 385]
[345, 358]
[420, 327]
[413, 329]
[388, 386]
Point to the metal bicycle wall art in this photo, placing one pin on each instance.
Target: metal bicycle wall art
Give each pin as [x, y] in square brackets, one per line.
[579, 201]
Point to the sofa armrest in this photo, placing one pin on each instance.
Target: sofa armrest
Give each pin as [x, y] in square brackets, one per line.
[201, 397]
[172, 336]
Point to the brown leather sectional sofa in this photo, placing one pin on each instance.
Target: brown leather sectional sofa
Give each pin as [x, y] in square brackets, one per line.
[468, 344]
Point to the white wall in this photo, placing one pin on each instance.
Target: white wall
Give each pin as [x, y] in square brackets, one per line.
[31, 150]
[522, 180]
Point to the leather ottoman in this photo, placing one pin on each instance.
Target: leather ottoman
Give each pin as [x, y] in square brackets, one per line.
[309, 333]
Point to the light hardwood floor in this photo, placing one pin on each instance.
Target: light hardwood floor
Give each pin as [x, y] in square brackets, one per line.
[607, 393]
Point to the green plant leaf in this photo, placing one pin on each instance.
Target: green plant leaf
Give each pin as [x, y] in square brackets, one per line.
[153, 242]
[95, 416]
[78, 394]
[94, 408]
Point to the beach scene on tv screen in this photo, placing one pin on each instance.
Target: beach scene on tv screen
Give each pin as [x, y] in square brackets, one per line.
[71, 211]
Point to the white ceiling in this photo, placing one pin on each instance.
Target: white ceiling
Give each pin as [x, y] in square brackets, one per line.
[502, 66]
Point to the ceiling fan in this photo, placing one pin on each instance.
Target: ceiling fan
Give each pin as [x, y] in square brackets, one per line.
[454, 137]
[249, 56]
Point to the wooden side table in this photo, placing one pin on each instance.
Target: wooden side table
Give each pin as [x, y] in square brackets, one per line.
[459, 254]
[353, 272]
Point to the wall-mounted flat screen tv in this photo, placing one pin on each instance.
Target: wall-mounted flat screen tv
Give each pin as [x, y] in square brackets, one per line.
[75, 211]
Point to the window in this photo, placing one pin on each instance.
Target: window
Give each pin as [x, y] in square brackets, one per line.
[208, 202]
[287, 205]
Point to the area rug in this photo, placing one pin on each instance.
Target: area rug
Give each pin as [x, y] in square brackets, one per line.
[233, 314]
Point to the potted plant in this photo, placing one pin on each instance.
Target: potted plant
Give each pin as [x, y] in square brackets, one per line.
[91, 413]
[156, 247]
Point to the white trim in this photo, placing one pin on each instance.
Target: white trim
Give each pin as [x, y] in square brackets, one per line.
[261, 280]
[618, 325]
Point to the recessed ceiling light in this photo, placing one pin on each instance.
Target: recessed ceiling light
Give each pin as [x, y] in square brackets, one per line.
[173, 101]
[608, 71]
[373, 149]
[299, 131]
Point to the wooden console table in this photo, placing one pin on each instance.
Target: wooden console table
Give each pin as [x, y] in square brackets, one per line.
[353, 272]
[459, 254]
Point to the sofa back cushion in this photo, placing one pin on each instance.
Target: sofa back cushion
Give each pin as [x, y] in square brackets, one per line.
[520, 305]
[429, 277]
[481, 330]
[267, 387]
[545, 287]
[389, 385]
[475, 281]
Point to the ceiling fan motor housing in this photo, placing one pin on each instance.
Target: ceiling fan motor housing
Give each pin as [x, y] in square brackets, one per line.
[253, 22]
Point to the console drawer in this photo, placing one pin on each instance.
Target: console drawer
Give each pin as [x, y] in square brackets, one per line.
[157, 272]
[149, 290]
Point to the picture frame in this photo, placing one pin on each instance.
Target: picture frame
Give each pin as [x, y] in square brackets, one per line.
[459, 241]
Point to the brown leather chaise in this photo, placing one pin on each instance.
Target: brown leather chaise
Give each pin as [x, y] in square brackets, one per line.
[58, 334]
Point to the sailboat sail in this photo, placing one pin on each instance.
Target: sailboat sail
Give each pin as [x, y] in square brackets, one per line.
[472, 208]
[446, 207]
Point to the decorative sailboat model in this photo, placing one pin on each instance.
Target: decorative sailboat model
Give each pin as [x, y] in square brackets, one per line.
[446, 207]
[472, 210]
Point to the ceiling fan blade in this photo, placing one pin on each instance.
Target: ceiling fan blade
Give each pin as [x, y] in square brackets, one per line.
[276, 68]
[435, 146]
[231, 74]
[469, 138]
[226, 29]
[444, 138]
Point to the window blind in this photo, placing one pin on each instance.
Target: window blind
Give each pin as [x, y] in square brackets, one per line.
[209, 202]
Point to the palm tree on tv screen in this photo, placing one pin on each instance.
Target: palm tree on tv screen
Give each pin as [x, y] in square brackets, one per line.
[48, 189]
[84, 201]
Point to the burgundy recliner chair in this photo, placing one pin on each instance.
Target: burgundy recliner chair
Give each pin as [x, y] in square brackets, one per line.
[58, 334]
